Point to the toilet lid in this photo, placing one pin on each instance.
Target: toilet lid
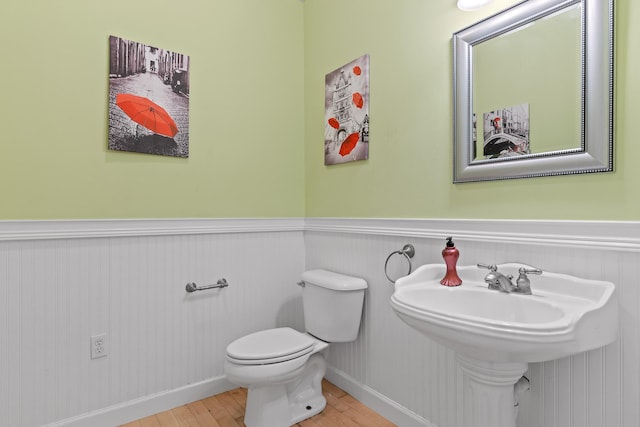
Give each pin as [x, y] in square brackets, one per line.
[270, 346]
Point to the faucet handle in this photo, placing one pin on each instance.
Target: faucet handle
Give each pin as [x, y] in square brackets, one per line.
[533, 270]
[523, 283]
[490, 267]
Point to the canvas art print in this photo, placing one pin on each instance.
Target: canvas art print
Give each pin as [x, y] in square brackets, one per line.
[346, 125]
[506, 132]
[148, 99]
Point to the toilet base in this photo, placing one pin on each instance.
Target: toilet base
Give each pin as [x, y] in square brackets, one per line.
[267, 406]
[307, 409]
[283, 405]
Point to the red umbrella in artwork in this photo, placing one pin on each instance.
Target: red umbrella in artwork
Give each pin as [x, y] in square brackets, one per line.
[349, 144]
[147, 113]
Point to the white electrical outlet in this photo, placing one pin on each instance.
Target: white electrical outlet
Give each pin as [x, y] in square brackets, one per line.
[98, 346]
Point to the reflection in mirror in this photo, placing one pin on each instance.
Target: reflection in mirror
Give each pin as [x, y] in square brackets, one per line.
[513, 75]
[533, 92]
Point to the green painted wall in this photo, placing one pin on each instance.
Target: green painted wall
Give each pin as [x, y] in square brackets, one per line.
[246, 115]
[256, 119]
[409, 171]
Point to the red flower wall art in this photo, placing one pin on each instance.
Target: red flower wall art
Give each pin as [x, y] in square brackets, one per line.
[346, 125]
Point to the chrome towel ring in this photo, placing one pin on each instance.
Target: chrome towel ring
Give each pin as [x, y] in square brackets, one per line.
[408, 251]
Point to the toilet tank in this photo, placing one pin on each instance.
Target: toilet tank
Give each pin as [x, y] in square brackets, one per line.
[332, 305]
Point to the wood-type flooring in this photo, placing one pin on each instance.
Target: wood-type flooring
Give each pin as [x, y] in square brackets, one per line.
[227, 410]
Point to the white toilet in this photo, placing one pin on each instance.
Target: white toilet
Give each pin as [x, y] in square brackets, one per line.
[283, 368]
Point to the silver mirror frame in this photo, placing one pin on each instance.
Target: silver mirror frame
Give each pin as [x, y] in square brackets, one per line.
[596, 152]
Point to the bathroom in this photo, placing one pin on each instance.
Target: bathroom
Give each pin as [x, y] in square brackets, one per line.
[95, 241]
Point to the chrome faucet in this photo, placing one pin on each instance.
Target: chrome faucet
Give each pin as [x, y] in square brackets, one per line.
[499, 282]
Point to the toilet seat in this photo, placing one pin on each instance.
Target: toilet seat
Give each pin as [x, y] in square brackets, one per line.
[269, 346]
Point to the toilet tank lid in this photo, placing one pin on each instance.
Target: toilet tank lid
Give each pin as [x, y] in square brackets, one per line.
[334, 281]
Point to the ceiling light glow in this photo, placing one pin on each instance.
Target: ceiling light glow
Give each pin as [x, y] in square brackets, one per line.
[472, 4]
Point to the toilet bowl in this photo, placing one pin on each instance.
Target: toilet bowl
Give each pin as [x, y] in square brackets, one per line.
[285, 386]
[283, 368]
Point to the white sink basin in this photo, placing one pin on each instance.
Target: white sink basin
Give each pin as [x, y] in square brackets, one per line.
[565, 314]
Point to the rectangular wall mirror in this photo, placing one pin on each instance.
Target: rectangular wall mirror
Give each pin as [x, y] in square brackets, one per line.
[533, 92]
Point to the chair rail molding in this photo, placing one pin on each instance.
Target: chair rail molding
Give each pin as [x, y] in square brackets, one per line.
[621, 235]
[78, 229]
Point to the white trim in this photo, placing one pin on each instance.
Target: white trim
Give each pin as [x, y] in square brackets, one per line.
[123, 413]
[79, 229]
[381, 404]
[619, 235]
[149, 405]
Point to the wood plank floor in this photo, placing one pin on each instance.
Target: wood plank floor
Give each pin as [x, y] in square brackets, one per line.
[227, 410]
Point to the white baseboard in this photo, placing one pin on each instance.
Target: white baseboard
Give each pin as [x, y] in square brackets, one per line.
[125, 412]
[384, 406]
[139, 408]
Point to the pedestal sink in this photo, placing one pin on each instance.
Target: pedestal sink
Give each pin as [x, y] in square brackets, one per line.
[496, 334]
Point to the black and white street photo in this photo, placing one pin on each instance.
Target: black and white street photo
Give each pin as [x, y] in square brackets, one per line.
[506, 132]
[148, 99]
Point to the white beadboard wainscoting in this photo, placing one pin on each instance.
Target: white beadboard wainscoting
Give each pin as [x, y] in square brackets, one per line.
[392, 366]
[63, 281]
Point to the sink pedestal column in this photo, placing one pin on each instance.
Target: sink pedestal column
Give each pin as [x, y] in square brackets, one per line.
[488, 397]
